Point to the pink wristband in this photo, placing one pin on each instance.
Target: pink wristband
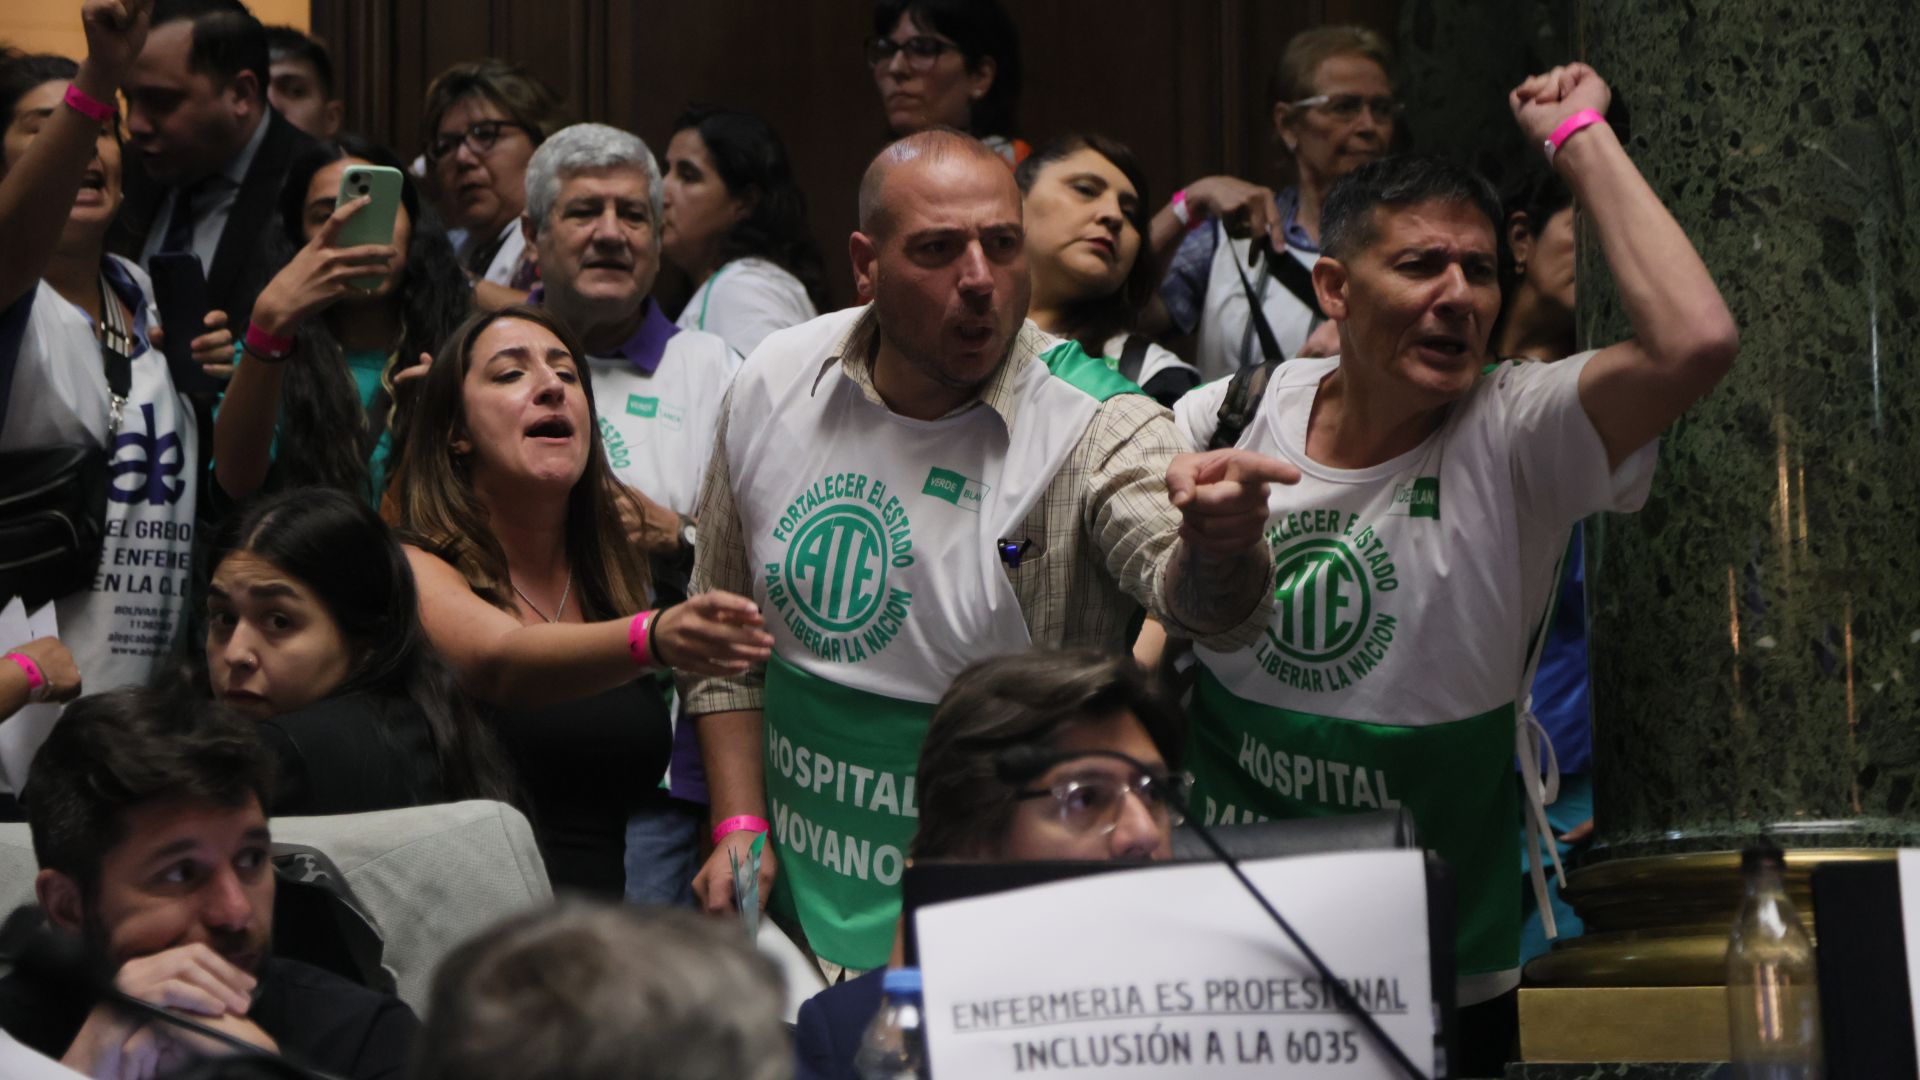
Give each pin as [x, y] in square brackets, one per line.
[639, 640]
[735, 824]
[1583, 118]
[93, 109]
[37, 687]
[267, 346]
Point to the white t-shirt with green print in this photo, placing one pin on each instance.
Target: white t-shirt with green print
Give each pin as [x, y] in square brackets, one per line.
[658, 429]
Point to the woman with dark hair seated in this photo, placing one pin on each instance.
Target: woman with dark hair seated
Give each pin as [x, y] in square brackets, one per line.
[735, 221]
[1041, 755]
[948, 63]
[313, 628]
[326, 365]
[1087, 223]
[530, 589]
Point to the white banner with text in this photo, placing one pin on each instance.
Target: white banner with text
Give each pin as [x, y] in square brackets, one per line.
[1175, 971]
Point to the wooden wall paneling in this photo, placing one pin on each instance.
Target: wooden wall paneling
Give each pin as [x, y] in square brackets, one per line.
[1195, 84]
[549, 37]
[797, 65]
[1141, 74]
[431, 36]
[1230, 62]
[620, 85]
[1381, 15]
[1268, 28]
[596, 56]
[1181, 81]
[358, 35]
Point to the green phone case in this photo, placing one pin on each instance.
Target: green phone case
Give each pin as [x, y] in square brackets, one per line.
[373, 224]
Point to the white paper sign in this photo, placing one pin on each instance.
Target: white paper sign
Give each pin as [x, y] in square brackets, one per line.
[1175, 971]
[1910, 920]
[22, 733]
[19, 1063]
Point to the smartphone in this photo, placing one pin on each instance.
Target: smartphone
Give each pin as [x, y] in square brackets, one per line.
[180, 292]
[373, 224]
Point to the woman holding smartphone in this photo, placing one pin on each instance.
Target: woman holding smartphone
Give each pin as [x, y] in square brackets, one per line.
[326, 355]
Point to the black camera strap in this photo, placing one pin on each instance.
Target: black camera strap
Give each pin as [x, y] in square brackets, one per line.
[1249, 384]
[116, 348]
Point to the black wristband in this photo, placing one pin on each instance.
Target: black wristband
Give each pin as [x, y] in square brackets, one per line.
[656, 640]
[262, 357]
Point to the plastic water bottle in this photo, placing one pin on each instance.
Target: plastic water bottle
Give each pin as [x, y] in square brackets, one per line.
[1773, 993]
[894, 1047]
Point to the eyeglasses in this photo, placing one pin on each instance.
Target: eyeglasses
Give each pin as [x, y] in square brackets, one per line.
[1344, 107]
[921, 49]
[1090, 802]
[480, 137]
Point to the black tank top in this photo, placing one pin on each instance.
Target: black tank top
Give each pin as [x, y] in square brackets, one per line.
[585, 765]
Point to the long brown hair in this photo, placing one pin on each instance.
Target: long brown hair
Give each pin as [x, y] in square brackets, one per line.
[431, 495]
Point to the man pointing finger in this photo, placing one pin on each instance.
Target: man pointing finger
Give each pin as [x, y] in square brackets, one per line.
[1418, 557]
[920, 483]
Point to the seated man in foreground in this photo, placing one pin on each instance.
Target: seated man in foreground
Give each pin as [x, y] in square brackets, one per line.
[147, 820]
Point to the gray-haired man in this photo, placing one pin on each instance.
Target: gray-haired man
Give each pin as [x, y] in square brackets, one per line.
[592, 222]
[593, 212]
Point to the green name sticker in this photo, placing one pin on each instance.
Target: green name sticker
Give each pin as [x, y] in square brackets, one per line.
[955, 488]
[1425, 498]
[642, 406]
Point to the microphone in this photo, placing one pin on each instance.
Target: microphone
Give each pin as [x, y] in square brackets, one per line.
[1019, 764]
[61, 961]
[1341, 995]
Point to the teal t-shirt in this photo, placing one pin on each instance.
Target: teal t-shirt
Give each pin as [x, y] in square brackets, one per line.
[366, 366]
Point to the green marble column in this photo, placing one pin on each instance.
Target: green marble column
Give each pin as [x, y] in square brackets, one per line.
[1756, 628]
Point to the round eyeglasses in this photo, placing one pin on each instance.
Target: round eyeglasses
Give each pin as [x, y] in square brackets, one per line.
[1090, 801]
[479, 137]
[1346, 107]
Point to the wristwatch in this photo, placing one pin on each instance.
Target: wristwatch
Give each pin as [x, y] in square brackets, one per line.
[686, 532]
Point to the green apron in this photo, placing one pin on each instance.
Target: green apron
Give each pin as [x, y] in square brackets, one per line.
[841, 799]
[874, 540]
[1253, 762]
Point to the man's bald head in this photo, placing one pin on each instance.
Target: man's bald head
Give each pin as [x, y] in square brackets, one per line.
[929, 146]
[941, 254]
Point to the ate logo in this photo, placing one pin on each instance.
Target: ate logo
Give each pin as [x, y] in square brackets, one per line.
[835, 587]
[148, 468]
[1329, 628]
[1322, 601]
[838, 568]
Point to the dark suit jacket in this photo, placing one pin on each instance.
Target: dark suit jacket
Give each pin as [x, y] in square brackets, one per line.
[242, 264]
[318, 1018]
[830, 1026]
